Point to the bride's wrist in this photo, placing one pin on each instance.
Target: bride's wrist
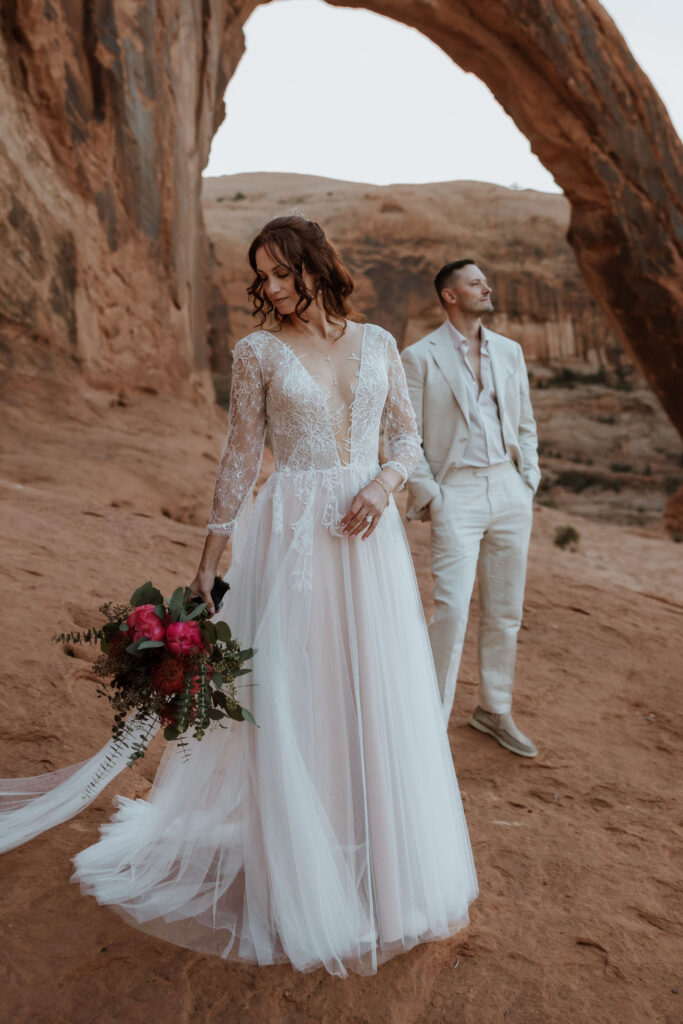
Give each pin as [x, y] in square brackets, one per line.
[383, 484]
[205, 572]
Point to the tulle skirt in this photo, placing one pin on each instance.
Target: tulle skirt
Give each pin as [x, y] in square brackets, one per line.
[332, 833]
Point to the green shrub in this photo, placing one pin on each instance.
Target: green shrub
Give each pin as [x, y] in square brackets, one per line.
[568, 378]
[566, 537]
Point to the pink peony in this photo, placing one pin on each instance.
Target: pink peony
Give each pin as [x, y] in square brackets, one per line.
[183, 637]
[144, 623]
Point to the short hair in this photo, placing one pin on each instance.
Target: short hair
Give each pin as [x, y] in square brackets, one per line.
[447, 271]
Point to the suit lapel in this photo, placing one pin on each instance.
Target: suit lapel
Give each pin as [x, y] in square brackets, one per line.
[497, 372]
[447, 359]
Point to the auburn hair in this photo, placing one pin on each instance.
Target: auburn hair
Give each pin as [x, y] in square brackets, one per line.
[301, 245]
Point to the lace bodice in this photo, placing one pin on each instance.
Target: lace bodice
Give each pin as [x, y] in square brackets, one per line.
[272, 390]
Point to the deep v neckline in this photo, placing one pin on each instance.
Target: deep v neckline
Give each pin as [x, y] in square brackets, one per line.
[325, 394]
[316, 383]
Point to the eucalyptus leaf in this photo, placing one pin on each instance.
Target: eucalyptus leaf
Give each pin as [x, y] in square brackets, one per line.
[160, 611]
[133, 648]
[209, 631]
[135, 597]
[171, 732]
[223, 631]
[177, 603]
[196, 611]
[146, 594]
[150, 643]
[248, 717]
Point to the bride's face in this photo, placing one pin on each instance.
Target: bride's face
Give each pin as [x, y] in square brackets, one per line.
[278, 281]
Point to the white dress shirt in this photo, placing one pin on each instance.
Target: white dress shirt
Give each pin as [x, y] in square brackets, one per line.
[485, 445]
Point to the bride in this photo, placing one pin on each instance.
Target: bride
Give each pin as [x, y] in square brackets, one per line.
[333, 832]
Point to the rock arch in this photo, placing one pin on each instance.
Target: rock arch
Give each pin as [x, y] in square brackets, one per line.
[107, 117]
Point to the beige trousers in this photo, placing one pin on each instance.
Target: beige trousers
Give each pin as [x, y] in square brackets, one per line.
[483, 524]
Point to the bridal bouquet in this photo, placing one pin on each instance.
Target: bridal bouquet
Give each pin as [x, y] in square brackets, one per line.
[167, 662]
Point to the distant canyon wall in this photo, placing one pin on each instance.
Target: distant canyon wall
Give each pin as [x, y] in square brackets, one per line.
[395, 238]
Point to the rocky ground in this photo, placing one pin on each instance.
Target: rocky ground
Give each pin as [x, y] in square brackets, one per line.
[579, 914]
[607, 450]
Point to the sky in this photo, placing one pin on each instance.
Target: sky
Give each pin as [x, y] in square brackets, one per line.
[349, 94]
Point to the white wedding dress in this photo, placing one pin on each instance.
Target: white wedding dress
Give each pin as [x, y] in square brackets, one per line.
[333, 833]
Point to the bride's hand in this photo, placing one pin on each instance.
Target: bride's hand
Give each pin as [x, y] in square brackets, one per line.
[201, 585]
[365, 511]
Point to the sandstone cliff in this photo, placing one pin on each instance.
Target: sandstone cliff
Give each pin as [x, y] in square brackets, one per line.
[107, 112]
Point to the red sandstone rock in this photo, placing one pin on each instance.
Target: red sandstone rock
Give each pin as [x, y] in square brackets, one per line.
[673, 515]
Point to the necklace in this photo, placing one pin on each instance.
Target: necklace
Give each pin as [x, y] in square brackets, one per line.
[328, 358]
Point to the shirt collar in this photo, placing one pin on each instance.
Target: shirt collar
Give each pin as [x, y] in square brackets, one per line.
[461, 341]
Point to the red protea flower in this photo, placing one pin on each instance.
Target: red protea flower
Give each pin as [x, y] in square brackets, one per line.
[167, 675]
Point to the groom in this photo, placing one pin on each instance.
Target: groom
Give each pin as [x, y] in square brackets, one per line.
[475, 481]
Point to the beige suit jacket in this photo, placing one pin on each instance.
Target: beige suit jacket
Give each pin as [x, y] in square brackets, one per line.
[438, 392]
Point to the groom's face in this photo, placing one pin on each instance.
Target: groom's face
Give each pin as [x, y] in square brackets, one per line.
[470, 292]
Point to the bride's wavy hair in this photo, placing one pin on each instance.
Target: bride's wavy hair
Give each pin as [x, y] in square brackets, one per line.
[301, 245]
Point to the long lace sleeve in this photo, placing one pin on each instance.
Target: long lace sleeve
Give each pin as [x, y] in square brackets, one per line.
[400, 431]
[243, 448]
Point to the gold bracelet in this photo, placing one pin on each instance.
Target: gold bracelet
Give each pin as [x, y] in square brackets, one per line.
[378, 480]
